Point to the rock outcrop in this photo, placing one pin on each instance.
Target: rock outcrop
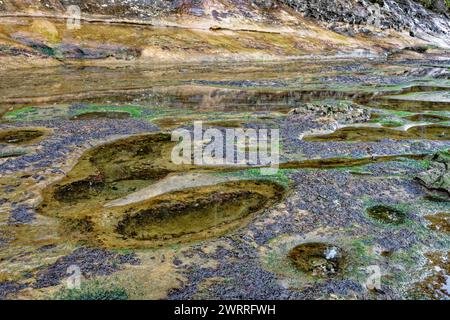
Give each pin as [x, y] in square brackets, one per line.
[437, 177]
[342, 112]
[210, 30]
[340, 15]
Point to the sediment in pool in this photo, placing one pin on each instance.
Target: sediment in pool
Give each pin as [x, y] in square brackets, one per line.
[439, 222]
[332, 163]
[318, 259]
[386, 214]
[365, 134]
[110, 171]
[21, 136]
[175, 217]
[198, 212]
[424, 117]
[408, 105]
[99, 115]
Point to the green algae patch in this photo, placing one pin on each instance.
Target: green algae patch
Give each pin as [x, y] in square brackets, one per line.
[108, 112]
[318, 259]
[19, 114]
[439, 222]
[386, 214]
[21, 136]
[373, 134]
[301, 261]
[93, 290]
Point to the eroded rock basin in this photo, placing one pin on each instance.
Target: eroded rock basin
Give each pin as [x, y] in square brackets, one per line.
[120, 168]
[175, 217]
[102, 115]
[386, 214]
[318, 259]
[439, 222]
[429, 132]
[111, 171]
[21, 136]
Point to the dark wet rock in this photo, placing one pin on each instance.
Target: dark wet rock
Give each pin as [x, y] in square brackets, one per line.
[21, 214]
[177, 262]
[8, 287]
[47, 247]
[390, 14]
[91, 261]
[355, 79]
[336, 287]
[430, 72]
[437, 177]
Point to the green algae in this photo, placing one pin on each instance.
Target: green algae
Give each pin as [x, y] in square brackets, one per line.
[111, 111]
[386, 214]
[93, 290]
[409, 105]
[281, 176]
[20, 114]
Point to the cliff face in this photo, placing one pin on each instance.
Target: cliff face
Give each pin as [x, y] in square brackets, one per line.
[219, 29]
[349, 16]
[397, 14]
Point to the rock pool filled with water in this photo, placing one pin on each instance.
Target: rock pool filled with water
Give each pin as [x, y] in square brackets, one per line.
[89, 177]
